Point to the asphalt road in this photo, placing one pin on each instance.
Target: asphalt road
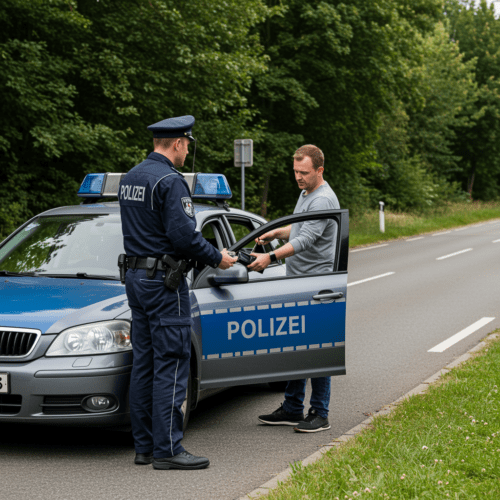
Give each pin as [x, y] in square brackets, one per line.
[392, 323]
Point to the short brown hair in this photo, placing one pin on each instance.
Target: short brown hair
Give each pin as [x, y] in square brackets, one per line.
[164, 142]
[316, 155]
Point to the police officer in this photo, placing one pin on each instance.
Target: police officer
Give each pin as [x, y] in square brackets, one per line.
[157, 220]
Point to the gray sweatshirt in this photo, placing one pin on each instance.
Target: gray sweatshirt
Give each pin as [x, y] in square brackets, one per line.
[313, 241]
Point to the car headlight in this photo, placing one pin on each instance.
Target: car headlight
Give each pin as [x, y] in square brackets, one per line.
[95, 338]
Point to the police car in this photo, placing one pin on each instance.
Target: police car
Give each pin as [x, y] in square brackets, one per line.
[65, 350]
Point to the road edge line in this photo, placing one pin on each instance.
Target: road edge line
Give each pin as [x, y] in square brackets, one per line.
[265, 489]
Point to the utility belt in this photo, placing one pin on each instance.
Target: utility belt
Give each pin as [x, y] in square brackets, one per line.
[174, 270]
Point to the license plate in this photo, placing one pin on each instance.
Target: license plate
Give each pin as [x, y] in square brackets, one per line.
[4, 383]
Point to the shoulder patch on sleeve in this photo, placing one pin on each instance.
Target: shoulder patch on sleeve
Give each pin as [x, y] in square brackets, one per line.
[187, 205]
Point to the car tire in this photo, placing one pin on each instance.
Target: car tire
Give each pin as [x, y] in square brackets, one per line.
[278, 386]
[186, 406]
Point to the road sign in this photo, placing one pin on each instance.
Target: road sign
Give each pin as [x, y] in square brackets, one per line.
[243, 157]
[243, 153]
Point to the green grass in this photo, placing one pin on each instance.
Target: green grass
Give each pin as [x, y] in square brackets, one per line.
[442, 444]
[364, 229]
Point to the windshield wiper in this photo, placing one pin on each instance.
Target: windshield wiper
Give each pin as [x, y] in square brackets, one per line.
[13, 273]
[82, 276]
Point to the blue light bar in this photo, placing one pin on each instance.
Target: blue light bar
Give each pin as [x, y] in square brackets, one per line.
[211, 187]
[92, 185]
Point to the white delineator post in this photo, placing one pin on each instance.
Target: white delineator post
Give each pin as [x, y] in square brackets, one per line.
[381, 216]
[243, 157]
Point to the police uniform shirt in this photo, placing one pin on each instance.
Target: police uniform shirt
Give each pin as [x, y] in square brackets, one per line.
[158, 214]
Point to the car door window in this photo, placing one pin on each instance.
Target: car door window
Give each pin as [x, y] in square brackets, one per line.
[212, 230]
[240, 227]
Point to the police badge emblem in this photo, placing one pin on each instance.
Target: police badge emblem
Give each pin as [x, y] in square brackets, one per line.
[188, 206]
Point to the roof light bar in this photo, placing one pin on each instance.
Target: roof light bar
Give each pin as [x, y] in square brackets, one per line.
[92, 185]
[211, 187]
[202, 186]
[100, 185]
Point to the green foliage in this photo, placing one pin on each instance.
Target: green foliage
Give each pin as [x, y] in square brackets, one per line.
[477, 32]
[401, 95]
[416, 139]
[80, 81]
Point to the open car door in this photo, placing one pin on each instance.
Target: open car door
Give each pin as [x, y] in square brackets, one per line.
[269, 327]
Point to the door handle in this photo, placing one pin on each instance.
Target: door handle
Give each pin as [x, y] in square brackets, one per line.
[332, 295]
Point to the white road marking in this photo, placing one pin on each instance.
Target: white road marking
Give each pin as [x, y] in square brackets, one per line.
[453, 254]
[461, 228]
[414, 239]
[442, 232]
[369, 279]
[368, 248]
[461, 335]
[496, 241]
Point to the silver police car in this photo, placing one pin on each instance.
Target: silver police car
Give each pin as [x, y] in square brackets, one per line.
[65, 351]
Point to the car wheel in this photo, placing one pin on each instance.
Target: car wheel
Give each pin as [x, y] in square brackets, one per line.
[278, 386]
[186, 405]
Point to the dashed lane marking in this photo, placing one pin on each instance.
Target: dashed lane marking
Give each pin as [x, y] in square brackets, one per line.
[461, 335]
[370, 279]
[415, 239]
[368, 248]
[454, 253]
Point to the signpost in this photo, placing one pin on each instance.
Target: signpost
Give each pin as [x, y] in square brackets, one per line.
[243, 157]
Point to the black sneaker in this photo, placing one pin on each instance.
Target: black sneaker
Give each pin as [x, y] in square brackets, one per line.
[182, 461]
[313, 423]
[281, 417]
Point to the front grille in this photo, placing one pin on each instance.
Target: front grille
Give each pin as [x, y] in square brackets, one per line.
[62, 405]
[10, 404]
[17, 342]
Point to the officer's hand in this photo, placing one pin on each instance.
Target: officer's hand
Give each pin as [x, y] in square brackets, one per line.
[227, 261]
[260, 263]
[264, 238]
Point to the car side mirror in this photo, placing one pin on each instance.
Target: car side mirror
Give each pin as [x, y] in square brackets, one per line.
[236, 274]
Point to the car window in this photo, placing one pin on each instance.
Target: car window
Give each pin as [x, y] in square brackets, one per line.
[66, 245]
[212, 231]
[316, 241]
[240, 227]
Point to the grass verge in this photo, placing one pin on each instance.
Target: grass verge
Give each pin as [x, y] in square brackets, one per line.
[442, 444]
[364, 229]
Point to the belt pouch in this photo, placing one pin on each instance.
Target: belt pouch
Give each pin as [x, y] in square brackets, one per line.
[151, 264]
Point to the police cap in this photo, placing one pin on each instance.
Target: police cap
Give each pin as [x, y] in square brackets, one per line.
[181, 126]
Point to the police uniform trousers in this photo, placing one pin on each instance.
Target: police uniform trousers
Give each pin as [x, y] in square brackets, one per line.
[161, 343]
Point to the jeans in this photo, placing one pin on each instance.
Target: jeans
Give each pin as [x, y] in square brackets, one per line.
[320, 398]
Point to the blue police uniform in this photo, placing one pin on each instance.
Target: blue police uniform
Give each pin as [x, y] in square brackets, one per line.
[157, 219]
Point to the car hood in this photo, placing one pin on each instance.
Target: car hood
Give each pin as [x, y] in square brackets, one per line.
[53, 304]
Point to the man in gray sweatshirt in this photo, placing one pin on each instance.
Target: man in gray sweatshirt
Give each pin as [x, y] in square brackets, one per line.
[310, 250]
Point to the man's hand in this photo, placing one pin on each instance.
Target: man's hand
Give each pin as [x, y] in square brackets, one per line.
[264, 238]
[261, 262]
[227, 261]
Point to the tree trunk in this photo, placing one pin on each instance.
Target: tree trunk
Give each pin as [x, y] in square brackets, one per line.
[263, 203]
[471, 180]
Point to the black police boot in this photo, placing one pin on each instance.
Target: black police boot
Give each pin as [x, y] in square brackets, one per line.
[182, 461]
[143, 458]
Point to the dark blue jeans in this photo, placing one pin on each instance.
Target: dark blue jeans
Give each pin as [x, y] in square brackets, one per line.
[320, 398]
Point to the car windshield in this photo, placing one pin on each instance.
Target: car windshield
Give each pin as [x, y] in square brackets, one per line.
[66, 245]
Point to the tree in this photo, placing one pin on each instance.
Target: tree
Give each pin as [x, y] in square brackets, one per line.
[477, 32]
[81, 80]
[417, 138]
